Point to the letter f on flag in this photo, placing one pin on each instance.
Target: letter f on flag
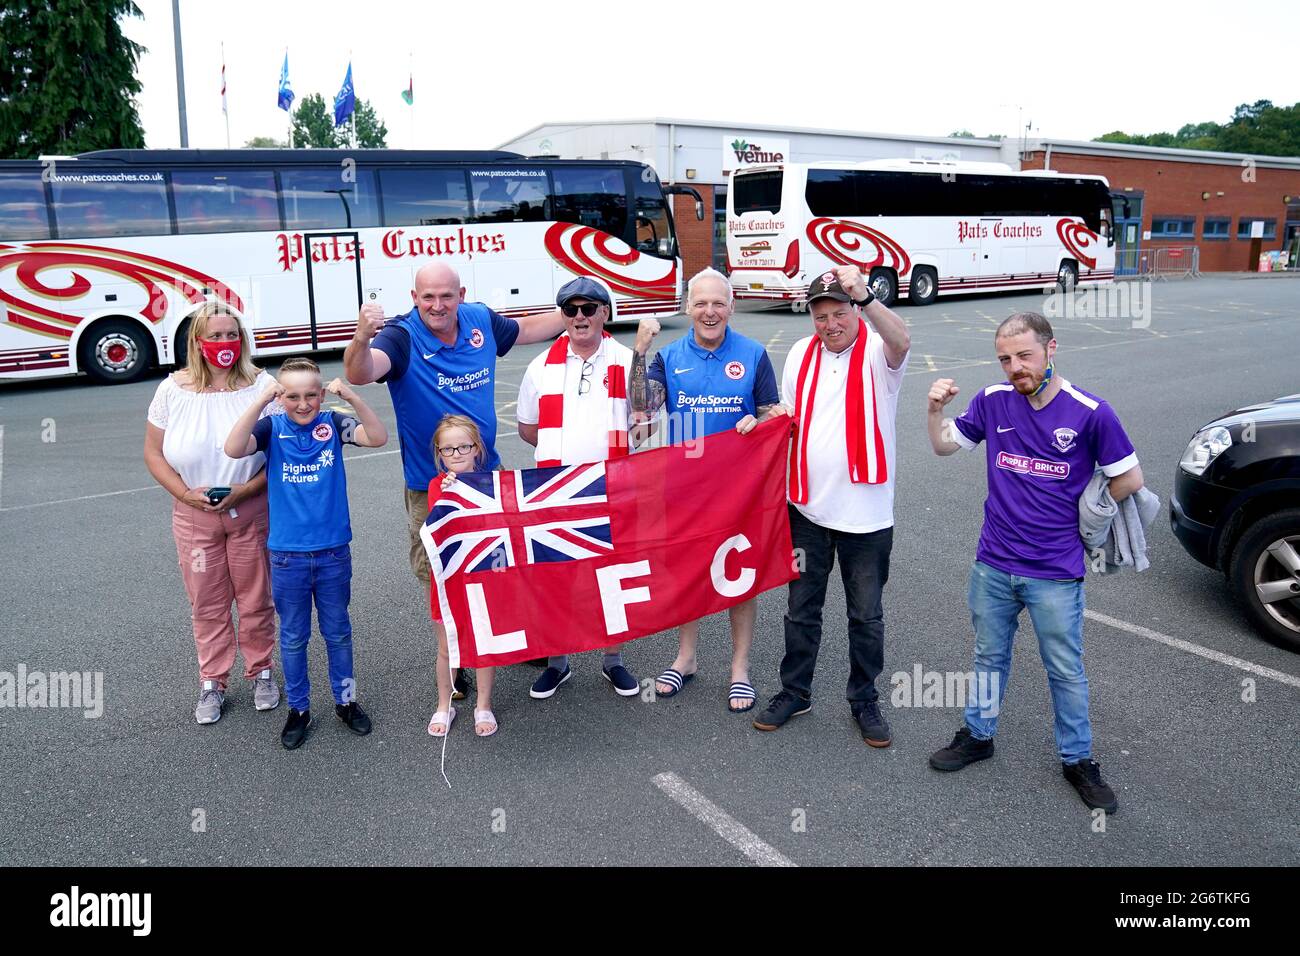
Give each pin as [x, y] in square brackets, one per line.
[346, 101]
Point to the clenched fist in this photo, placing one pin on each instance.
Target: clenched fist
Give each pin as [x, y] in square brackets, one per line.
[369, 321]
[852, 282]
[941, 393]
[645, 334]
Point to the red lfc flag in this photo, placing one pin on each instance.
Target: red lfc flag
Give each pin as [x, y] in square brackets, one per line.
[550, 561]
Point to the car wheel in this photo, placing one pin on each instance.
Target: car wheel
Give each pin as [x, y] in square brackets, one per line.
[115, 352]
[1265, 575]
[884, 286]
[924, 287]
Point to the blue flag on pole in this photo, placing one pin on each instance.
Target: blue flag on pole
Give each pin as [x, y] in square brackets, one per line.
[346, 101]
[286, 93]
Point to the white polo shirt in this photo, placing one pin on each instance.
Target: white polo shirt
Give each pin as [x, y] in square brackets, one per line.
[585, 436]
[833, 500]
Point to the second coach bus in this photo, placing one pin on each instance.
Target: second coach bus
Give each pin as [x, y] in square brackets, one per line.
[105, 255]
[916, 227]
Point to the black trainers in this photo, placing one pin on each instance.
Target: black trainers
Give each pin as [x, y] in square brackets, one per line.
[1085, 776]
[625, 685]
[295, 729]
[352, 715]
[463, 684]
[780, 709]
[964, 749]
[548, 683]
[875, 729]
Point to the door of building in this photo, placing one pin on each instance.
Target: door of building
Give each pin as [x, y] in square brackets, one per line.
[1127, 211]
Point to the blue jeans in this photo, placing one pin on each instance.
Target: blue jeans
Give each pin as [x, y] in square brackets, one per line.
[1056, 608]
[296, 578]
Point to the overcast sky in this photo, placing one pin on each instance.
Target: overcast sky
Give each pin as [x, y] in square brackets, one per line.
[487, 71]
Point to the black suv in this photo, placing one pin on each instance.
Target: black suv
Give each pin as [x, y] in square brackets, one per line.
[1236, 508]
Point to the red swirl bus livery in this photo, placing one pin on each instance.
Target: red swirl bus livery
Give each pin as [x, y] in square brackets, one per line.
[916, 227]
[105, 256]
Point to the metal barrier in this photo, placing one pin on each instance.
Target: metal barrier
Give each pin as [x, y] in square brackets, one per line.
[1158, 262]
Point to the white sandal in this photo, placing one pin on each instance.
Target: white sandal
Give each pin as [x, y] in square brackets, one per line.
[485, 717]
[444, 717]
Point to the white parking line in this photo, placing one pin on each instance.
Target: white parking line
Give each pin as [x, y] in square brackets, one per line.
[720, 821]
[1189, 647]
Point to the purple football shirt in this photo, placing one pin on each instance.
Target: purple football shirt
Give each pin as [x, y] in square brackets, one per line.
[1039, 462]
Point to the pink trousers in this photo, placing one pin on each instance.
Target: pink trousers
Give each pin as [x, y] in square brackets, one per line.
[223, 560]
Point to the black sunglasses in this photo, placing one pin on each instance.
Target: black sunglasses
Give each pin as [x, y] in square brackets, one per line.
[587, 308]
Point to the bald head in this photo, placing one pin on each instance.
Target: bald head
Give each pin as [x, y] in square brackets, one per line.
[436, 273]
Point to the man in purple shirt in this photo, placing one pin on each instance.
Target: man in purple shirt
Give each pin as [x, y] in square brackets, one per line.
[1045, 438]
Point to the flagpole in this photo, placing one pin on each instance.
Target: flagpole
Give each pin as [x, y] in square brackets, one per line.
[224, 107]
[410, 85]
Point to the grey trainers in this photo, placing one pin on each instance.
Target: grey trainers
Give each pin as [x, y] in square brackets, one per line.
[211, 699]
[266, 693]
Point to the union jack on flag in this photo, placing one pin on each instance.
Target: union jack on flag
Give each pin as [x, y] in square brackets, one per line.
[499, 519]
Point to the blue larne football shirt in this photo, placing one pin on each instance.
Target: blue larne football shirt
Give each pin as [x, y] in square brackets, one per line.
[710, 391]
[307, 488]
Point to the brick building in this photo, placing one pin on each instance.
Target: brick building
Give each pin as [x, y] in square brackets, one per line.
[1187, 197]
[1163, 197]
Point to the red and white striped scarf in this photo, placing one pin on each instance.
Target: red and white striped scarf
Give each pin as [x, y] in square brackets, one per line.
[550, 415]
[866, 458]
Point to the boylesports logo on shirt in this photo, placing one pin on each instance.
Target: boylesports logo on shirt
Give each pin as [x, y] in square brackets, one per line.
[322, 432]
[463, 383]
[712, 403]
[476, 338]
[735, 371]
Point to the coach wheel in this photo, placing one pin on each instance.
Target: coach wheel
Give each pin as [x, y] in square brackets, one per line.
[181, 345]
[1067, 277]
[114, 352]
[1265, 574]
[924, 287]
[884, 286]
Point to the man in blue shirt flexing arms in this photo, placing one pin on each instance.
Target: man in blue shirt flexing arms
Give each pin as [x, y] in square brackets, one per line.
[710, 380]
[439, 358]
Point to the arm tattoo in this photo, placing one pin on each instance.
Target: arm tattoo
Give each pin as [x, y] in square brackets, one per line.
[761, 412]
[658, 395]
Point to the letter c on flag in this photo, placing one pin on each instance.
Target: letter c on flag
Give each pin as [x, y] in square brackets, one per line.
[725, 586]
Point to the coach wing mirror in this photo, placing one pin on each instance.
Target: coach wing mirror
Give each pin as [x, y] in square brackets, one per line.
[688, 191]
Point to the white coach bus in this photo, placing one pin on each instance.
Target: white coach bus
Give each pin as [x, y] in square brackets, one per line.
[104, 256]
[916, 227]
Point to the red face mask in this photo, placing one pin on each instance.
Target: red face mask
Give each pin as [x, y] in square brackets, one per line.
[221, 354]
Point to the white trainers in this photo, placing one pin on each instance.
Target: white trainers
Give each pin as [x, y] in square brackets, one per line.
[211, 700]
[266, 693]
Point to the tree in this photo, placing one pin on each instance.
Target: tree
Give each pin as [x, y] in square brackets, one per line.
[371, 131]
[1260, 128]
[265, 142]
[313, 125]
[67, 77]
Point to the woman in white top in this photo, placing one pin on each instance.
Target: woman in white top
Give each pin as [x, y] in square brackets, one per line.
[221, 546]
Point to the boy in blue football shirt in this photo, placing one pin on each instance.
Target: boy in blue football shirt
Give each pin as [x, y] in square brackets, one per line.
[310, 528]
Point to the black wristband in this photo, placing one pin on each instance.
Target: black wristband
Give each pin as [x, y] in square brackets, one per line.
[865, 302]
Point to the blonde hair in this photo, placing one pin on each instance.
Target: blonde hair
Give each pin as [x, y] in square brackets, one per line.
[448, 422]
[299, 364]
[243, 374]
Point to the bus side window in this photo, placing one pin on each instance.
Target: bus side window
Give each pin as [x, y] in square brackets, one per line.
[504, 196]
[22, 207]
[424, 197]
[591, 196]
[224, 200]
[90, 204]
[328, 198]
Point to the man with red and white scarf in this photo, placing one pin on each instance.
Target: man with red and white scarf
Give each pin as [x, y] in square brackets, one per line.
[843, 384]
[573, 408]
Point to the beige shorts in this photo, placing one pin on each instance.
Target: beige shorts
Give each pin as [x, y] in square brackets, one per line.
[417, 509]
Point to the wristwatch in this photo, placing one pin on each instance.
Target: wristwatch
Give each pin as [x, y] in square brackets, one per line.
[865, 302]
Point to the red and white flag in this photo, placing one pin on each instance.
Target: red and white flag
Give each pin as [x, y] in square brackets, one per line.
[223, 85]
[550, 561]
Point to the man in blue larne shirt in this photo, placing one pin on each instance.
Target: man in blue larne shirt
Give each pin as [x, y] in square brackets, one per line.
[711, 379]
[438, 359]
